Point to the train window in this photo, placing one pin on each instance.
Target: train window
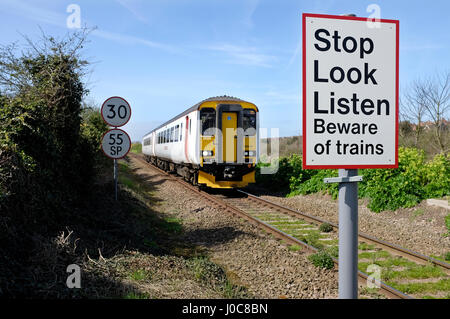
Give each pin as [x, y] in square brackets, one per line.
[171, 134]
[166, 137]
[158, 139]
[181, 132]
[249, 122]
[208, 120]
[177, 129]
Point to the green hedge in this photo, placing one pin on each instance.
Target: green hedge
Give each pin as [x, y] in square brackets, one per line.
[414, 180]
[49, 143]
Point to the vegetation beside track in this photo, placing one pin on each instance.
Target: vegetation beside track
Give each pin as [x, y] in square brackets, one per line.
[136, 147]
[387, 189]
[56, 191]
[49, 154]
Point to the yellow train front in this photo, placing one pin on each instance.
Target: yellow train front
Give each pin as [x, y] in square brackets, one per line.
[215, 143]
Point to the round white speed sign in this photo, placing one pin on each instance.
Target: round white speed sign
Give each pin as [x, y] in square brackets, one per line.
[116, 111]
[116, 143]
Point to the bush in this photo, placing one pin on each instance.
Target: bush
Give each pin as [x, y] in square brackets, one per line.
[413, 181]
[289, 175]
[47, 148]
[325, 228]
[437, 176]
[279, 180]
[92, 129]
[136, 148]
[314, 183]
[322, 259]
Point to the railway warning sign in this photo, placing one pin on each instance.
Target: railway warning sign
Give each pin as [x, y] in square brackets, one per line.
[116, 143]
[116, 111]
[350, 92]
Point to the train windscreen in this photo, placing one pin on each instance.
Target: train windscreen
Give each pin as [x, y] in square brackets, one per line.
[208, 120]
[249, 122]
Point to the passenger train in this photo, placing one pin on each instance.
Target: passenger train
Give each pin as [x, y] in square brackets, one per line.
[214, 143]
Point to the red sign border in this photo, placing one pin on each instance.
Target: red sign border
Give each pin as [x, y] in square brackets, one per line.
[125, 134]
[101, 111]
[326, 16]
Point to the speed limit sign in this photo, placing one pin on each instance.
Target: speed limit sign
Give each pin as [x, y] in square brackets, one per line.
[116, 143]
[116, 111]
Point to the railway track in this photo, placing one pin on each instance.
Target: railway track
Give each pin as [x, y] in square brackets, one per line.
[303, 230]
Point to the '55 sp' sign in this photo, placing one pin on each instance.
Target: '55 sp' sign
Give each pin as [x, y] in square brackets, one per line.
[116, 143]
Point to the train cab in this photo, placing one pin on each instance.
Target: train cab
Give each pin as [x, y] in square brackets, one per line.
[228, 143]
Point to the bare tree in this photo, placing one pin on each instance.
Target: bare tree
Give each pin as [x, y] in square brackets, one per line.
[413, 108]
[436, 94]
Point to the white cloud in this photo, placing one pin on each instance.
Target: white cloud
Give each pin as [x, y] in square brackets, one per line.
[128, 39]
[244, 55]
[296, 53]
[132, 7]
[58, 19]
[33, 12]
[282, 97]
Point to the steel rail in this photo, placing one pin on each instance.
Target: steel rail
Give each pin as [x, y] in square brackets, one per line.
[387, 290]
[393, 248]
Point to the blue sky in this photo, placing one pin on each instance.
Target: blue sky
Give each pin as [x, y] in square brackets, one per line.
[164, 56]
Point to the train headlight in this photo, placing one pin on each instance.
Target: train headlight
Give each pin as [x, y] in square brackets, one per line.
[207, 153]
[249, 153]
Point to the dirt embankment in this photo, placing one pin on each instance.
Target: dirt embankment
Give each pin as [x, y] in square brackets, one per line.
[250, 257]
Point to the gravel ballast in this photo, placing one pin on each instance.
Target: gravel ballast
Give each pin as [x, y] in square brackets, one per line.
[251, 257]
[420, 228]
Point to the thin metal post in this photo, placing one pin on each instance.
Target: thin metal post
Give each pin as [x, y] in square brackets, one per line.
[348, 236]
[116, 175]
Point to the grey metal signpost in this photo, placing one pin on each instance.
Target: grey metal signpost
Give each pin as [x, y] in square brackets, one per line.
[116, 143]
[116, 178]
[348, 231]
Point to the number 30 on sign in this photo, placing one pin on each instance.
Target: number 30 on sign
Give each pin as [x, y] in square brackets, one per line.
[116, 111]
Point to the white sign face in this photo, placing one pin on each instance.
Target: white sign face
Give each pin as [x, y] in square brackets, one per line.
[350, 92]
[116, 143]
[116, 111]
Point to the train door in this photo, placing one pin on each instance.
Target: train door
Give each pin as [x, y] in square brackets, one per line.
[229, 137]
[186, 139]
